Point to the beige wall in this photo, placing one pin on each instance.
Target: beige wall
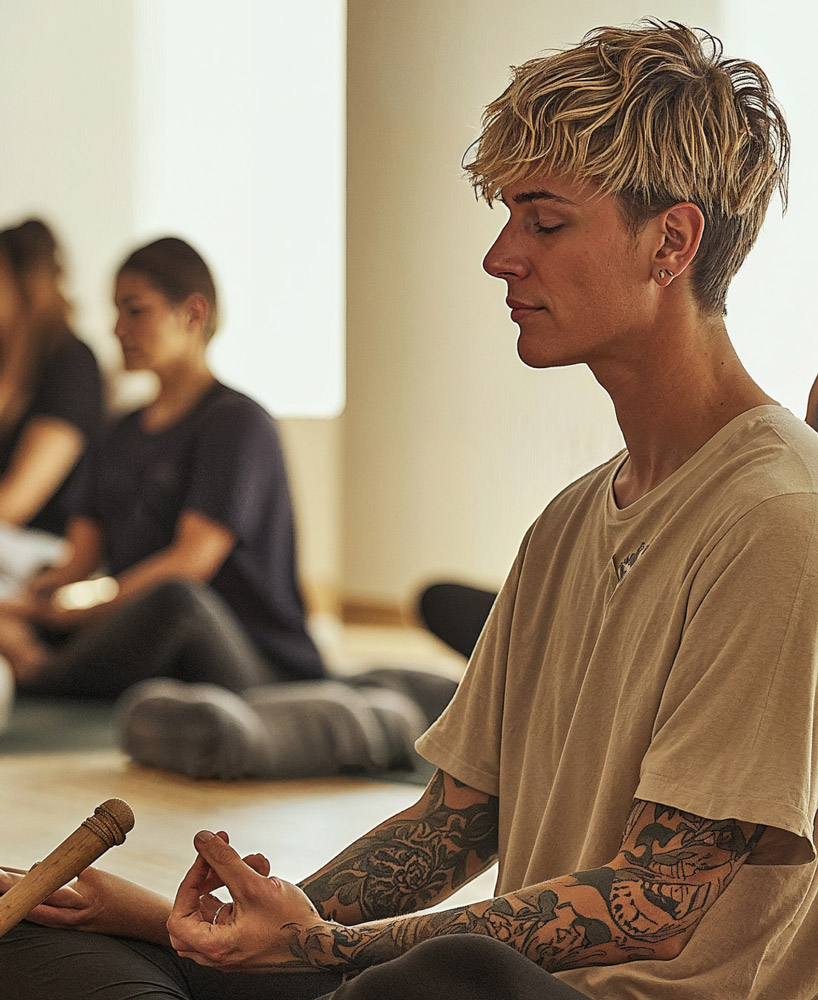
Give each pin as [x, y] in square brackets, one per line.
[451, 446]
[313, 451]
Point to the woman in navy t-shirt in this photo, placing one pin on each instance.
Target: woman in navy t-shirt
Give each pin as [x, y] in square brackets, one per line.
[186, 504]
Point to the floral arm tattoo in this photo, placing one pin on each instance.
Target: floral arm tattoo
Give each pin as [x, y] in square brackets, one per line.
[413, 860]
[670, 869]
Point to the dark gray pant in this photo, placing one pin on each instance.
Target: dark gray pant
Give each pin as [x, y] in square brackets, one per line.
[37, 963]
[177, 629]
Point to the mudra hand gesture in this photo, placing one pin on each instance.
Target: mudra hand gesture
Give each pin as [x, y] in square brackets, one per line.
[264, 926]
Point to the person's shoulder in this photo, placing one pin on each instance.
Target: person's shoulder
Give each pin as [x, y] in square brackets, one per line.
[225, 403]
[75, 352]
[71, 359]
[232, 413]
[762, 475]
[773, 454]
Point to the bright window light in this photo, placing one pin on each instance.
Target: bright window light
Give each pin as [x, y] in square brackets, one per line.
[240, 128]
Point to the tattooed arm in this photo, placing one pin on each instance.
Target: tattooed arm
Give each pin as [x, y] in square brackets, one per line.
[413, 860]
[670, 869]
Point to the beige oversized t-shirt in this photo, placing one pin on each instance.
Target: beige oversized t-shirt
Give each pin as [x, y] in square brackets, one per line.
[667, 651]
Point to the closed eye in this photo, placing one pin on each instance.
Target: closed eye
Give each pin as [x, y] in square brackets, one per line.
[546, 229]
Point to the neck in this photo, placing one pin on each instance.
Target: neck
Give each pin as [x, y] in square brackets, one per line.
[672, 398]
[179, 391]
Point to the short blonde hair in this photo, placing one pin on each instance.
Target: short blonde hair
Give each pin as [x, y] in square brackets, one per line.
[654, 115]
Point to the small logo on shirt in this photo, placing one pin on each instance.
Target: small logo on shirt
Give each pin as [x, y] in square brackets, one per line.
[627, 563]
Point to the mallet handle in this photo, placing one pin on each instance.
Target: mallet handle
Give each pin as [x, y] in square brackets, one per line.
[108, 826]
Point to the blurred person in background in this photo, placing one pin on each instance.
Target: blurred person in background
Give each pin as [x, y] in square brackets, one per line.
[50, 409]
[186, 505]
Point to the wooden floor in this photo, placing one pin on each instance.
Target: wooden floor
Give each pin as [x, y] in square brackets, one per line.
[298, 825]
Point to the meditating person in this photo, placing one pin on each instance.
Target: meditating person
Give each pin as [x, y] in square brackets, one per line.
[50, 410]
[186, 504]
[50, 392]
[634, 739]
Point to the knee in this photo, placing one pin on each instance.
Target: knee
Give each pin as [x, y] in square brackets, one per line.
[460, 965]
[467, 960]
[174, 597]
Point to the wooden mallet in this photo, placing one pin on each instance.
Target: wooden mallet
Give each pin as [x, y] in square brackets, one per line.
[108, 826]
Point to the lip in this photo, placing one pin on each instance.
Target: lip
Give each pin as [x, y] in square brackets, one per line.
[520, 310]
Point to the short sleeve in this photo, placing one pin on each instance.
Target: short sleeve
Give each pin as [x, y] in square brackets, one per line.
[70, 388]
[238, 466]
[735, 734]
[466, 740]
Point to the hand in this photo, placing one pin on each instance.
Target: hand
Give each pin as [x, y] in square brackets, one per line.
[21, 645]
[265, 926]
[44, 583]
[102, 902]
[28, 606]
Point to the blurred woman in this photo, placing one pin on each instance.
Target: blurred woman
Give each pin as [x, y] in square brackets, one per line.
[186, 504]
[50, 387]
[50, 408]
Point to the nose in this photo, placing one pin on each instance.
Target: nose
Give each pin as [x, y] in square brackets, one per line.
[503, 259]
[119, 328]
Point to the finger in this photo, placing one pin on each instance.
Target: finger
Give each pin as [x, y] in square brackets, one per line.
[209, 906]
[192, 886]
[259, 863]
[65, 899]
[213, 881]
[8, 876]
[238, 877]
[220, 913]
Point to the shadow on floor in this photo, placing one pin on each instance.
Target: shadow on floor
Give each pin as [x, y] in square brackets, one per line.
[50, 725]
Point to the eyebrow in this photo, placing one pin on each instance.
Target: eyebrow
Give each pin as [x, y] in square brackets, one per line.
[524, 197]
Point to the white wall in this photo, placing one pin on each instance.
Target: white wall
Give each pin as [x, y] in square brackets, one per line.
[452, 446]
[66, 76]
[771, 311]
[239, 126]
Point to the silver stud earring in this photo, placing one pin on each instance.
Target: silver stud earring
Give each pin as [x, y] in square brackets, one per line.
[661, 275]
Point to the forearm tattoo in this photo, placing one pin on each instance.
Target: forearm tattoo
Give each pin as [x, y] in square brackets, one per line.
[671, 868]
[409, 863]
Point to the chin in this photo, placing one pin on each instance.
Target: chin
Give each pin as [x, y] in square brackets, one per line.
[542, 359]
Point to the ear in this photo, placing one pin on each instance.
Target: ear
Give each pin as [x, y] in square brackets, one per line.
[196, 310]
[681, 227]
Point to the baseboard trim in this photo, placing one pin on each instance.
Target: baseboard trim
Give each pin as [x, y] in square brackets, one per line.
[358, 611]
